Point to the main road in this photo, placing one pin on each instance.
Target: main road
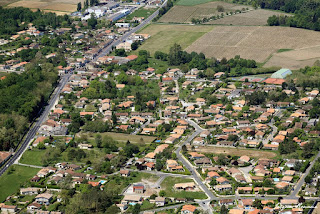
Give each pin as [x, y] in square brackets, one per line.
[109, 48]
[36, 125]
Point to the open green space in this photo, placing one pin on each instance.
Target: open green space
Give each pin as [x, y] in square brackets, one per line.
[141, 12]
[32, 157]
[16, 176]
[168, 186]
[164, 36]
[192, 2]
[117, 183]
[124, 137]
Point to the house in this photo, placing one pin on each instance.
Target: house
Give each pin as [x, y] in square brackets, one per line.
[188, 209]
[44, 198]
[33, 207]
[8, 208]
[222, 180]
[223, 187]
[203, 162]
[30, 191]
[85, 146]
[131, 199]
[185, 186]
[160, 201]
[124, 173]
[138, 188]
[246, 203]
[226, 202]
[244, 190]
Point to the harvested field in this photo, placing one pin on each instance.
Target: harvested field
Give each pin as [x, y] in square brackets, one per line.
[184, 14]
[6, 2]
[253, 17]
[259, 43]
[164, 36]
[235, 151]
[60, 7]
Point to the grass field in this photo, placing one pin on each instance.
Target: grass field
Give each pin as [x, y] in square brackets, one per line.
[164, 36]
[10, 183]
[236, 151]
[141, 12]
[261, 42]
[168, 186]
[32, 157]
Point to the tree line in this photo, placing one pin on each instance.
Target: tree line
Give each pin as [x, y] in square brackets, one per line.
[18, 18]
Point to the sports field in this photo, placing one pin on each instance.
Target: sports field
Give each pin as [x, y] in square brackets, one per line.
[164, 36]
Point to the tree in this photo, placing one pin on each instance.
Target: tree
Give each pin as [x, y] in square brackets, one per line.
[114, 118]
[79, 6]
[162, 193]
[175, 55]
[135, 45]
[158, 165]
[92, 22]
[98, 140]
[120, 52]
[220, 8]
[224, 210]
[136, 209]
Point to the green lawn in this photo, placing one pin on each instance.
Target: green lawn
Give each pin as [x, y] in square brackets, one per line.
[10, 182]
[164, 36]
[2, 74]
[141, 12]
[192, 2]
[168, 186]
[32, 157]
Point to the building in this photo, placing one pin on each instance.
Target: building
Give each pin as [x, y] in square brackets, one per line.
[44, 198]
[138, 188]
[188, 209]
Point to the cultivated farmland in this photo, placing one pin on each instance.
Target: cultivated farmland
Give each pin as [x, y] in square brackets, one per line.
[253, 17]
[164, 36]
[260, 43]
[184, 14]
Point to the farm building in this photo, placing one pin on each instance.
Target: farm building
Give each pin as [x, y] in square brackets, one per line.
[281, 74]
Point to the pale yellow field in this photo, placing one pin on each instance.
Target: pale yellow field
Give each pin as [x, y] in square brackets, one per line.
[60, 7]
[184, 14]
[253, 17]
[261, 42]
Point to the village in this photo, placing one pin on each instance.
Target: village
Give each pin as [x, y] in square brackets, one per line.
[165, 139]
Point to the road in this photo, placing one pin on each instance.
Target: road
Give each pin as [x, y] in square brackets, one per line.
[299, 184]
[205, 204]
[34, 129]
[108, 49]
